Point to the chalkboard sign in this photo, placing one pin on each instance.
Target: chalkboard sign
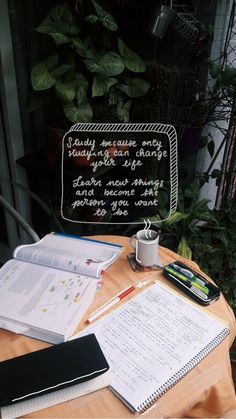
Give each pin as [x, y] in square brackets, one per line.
[119, 173]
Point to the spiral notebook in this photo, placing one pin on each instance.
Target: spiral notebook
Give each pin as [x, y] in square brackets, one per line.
[152, 341]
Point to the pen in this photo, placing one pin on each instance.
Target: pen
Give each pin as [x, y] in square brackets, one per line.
[189, 274]
[115, 300]
[193, 287]
[178, 275]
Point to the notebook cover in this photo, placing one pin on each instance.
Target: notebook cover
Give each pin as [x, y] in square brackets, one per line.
[51, 369]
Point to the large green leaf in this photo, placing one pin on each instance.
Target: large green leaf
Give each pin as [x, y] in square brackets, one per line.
[134, 87]
[80, 80]
[81, 88]
[106, 19]
[41, 79]
[131, 60]
[101, 85]
[81, 95]
[183, 248]
[83, 113]
[59, 24]
[83, 48]
[175, 218]
[110, 64]
[61, 70]
[65, 91]
[52, 61]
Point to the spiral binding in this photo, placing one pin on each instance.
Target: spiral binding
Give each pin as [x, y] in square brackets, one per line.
[183, 371]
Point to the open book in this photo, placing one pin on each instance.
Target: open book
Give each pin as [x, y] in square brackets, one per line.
[48, 286]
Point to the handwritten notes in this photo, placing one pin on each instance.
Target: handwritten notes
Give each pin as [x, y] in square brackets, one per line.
[129, 169]
[153, 340]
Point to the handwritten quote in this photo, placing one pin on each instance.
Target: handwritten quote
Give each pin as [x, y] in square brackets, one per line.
[115, 178]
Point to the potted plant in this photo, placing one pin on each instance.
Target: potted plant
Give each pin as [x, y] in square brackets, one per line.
[92, 72]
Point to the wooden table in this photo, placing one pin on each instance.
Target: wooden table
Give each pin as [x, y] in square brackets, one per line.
[207, 391]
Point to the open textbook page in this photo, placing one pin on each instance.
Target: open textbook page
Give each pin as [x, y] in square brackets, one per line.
[41, 302]
[70, 253]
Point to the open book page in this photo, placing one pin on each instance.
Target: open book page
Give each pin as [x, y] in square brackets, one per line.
[80, 255]
[46, 299]
[59, 396]
[149, 339]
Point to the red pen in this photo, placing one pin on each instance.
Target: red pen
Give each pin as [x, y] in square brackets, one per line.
[115, 300]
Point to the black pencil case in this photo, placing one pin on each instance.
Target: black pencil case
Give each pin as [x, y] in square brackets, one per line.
[50, 369]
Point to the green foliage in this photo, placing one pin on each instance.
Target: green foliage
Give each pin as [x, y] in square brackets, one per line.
[84, 67]
[207, 236]
[214, 249]
[180, 226]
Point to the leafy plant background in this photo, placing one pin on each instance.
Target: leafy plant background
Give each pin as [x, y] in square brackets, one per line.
[90, 62]
[94, 76]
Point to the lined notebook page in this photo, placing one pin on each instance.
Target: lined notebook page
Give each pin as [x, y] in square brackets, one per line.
[152, 341]
[59, 396]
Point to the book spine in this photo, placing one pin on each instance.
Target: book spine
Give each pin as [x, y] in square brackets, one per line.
[88, 240]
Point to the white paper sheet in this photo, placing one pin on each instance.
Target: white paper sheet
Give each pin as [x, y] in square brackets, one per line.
[23, 408]
[150, 339]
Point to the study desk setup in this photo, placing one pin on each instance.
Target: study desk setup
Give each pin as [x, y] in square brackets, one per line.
[203, 387]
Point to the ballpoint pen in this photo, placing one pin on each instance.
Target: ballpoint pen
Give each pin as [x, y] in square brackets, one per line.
[116, 299]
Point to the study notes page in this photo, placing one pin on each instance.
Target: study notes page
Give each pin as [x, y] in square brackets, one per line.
[84, 256]
[149, 339]
[47, 299]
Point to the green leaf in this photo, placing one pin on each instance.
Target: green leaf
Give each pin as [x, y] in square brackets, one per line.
[131, 60]
[101, 85]
[59, 24]
[211, 147]
[92, 19]
[60, 39]
[65, 91]
[41, 79]
[228, 75]
[175, 218]
[134, 87]
[81, 88]
[106, 19]
[110, 64]
[83, 113]
[61, 70]
[81, 95]
[52, 61]
[183, 248]
[192, 190]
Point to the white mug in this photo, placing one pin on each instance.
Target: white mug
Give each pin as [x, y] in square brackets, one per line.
[145, 243]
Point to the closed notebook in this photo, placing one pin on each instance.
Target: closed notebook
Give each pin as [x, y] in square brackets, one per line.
[54, 368]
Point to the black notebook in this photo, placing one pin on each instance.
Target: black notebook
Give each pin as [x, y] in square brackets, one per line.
[52, 369]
